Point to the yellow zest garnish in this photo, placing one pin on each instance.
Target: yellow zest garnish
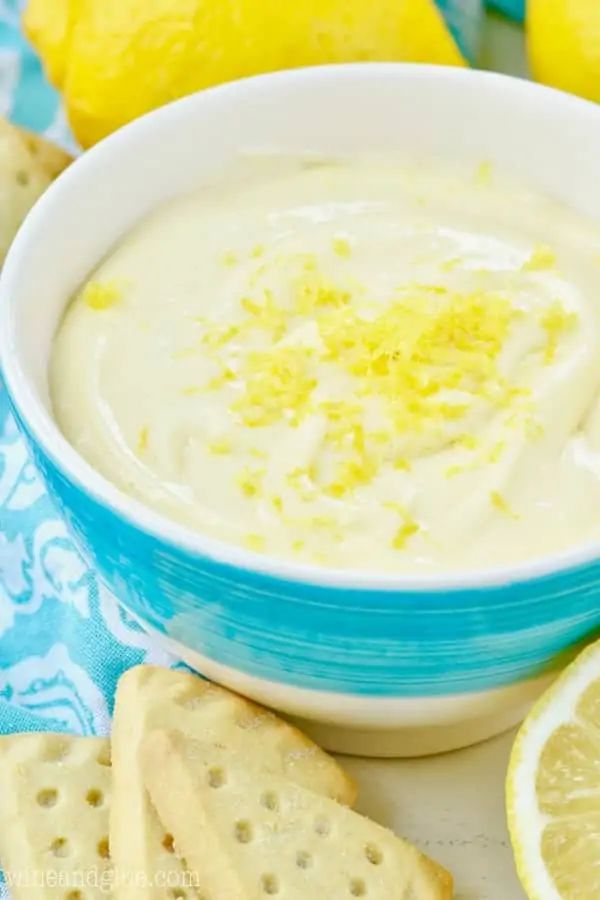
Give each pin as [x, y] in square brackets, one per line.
[298, 545]
[278, 385]
[101, 295]
[340, 410]
[142, 441]
[256, 542]
[277, 504]
[220, 447]
[499, 503]
[543, 257]
[313, 293]
[352, 473]
[229, 258]
[265, 314]
[191, 390]
[341, 247]
[256, 275]
[218, 336]
[257, 453]
[308, 261]
[556, 321]
[397, 508]
[404, 533]
[380, 437]
[496, 451]
[250, 481]
[454, 470]
[449, 265]
[250, 306]
[468, 441]
[402, 465]
[257, 250]
[320, 558]
[213, 384]
[483, 173]
[426, 357]
[533, 428]
[424, 345]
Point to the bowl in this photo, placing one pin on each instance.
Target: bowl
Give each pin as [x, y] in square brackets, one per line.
[371, 663]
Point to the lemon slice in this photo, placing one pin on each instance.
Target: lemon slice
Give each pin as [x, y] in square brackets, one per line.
[553, 788]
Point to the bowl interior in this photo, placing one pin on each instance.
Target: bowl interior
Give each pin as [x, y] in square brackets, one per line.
[547, 139]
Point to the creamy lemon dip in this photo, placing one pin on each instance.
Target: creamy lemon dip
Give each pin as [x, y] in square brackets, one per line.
[359, 365]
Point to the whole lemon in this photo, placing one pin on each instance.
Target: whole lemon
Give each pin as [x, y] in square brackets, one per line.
[116, 59]
[564, 44]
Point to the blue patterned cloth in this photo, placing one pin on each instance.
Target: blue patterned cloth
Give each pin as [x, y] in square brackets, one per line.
[513, 8]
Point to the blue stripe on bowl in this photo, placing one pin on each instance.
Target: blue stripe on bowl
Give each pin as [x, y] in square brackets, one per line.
[371, 642]
[378, 643]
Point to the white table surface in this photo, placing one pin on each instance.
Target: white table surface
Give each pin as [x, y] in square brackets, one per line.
[452, 805]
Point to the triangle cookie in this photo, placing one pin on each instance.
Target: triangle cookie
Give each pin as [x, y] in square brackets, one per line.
[247, 834]
[151, 698]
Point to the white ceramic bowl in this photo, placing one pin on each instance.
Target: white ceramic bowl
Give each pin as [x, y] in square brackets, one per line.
[379, 663]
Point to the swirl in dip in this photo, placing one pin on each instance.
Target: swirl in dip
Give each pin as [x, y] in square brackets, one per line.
[360, 364]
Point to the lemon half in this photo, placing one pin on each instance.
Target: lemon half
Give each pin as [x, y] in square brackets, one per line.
[553, 788]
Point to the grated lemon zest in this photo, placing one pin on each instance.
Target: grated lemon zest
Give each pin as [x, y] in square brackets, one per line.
[220, 447]
[142, 441]
[449, 265]
[250, 481]
[278, 384]
[256, 542]
[499, 503]
[542, 257]
[468, 441]
[407, 530]
[426, 357]
[454, 470]
[229, 258]
[102, 295]
[484, 173]
[556, 321]
[495, 452]
[341, 247]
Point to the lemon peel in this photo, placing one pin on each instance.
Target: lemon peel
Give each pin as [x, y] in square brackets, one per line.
[100, 295]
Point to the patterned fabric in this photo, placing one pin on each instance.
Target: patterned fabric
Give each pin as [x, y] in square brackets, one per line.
[513, 8]
[464, 19]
